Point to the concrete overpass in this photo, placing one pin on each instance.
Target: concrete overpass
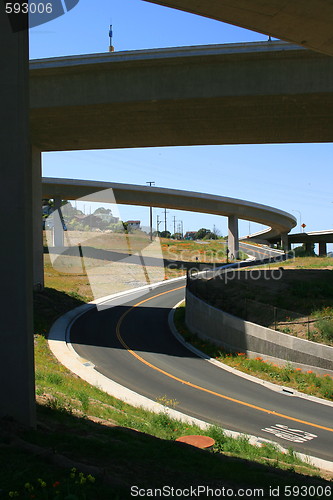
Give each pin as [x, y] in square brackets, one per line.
[221, 94]
[279, 222]
[308, 239]
[305, 22]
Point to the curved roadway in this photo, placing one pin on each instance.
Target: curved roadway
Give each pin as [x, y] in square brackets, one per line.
[131, 194]
[132, 344]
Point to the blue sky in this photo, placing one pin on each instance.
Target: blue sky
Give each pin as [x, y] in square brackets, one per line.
[296, 178]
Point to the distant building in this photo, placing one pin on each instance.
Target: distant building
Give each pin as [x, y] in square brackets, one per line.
[190, 235]
[133, 224]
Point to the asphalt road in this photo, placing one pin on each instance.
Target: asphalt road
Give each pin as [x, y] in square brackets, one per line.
[132, 344]
[258, 252]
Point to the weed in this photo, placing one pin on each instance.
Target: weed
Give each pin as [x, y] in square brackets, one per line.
[162, 420]
[75, 486]
[39, 376]
[325, 327]
[165, 401]
[84, 399]
[54, 378]
[218, 434]
[59, 405]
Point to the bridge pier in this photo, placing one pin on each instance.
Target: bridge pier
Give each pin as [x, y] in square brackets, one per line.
[58, 230]
[308, 246]
[284, 242]
[233, 239]
[322, 249]
[38, 253]
[17, 391]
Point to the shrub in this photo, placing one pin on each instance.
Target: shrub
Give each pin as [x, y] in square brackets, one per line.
[325, 327]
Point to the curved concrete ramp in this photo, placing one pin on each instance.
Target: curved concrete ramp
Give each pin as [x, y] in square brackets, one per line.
[307, 23]
[279, 222]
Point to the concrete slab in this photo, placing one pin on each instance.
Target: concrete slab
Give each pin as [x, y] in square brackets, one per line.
[306, 23]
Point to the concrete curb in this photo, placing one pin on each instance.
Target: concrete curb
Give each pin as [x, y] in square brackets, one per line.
[59, 343]
[317, 462]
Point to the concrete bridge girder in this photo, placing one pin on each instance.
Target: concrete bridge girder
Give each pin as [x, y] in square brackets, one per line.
[222, 94]
[305, 23]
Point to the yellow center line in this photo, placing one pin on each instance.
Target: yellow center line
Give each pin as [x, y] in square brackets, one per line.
[185, 382]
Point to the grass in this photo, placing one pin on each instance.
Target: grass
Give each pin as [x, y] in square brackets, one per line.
[314, 262]
[307, 382]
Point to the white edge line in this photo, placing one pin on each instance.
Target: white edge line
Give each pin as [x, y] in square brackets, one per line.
[63, 350]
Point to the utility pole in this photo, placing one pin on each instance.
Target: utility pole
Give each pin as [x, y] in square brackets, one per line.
[111, 47]
[165, 219]
[158, 222]
[174, 224]
[180, 227]
[151, 183]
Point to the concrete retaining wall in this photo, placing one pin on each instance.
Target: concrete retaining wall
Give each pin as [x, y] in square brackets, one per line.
[238, 335]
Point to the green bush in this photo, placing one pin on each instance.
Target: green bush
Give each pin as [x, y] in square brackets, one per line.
[325, 327]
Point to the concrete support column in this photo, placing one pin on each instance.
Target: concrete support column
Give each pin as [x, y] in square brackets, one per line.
[285, 242]
[308, 247]
[233, 241]
[58, 230]
[38, 253]
[323, 248]
[17, 390]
